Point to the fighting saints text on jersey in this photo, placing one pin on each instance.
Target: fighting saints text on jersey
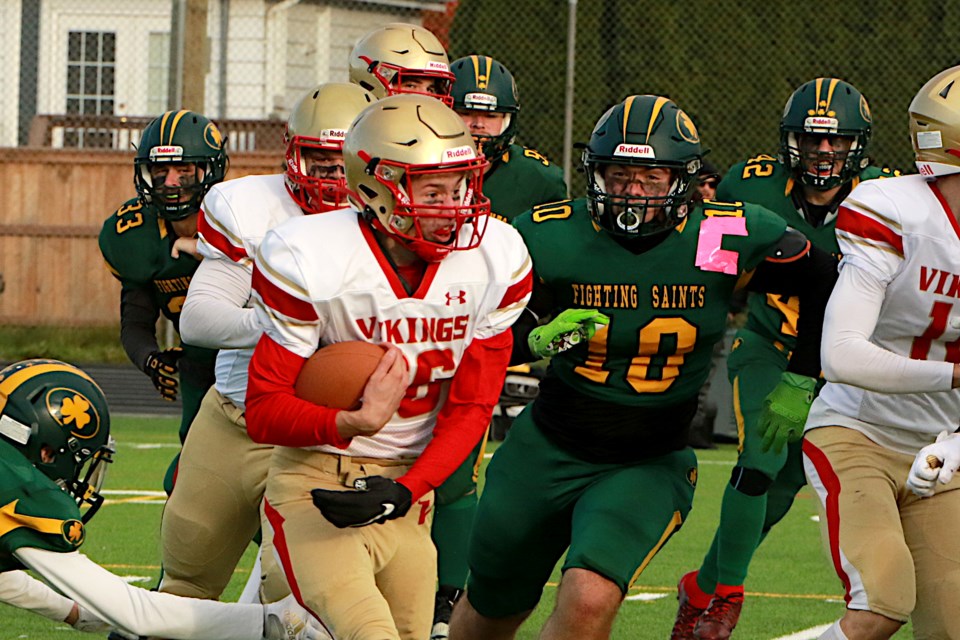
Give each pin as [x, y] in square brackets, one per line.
[626, 296]
[173, 285]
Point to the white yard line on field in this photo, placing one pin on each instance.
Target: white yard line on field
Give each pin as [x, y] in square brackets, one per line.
[807, 634]
[132, 492]
[152, 445]
[646, 596]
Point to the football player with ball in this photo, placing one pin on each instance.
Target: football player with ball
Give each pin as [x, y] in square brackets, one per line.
[416, 264]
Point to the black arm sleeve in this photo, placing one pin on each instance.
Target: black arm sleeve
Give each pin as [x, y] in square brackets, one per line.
[138, 324]
[539, 310]
[810, 276]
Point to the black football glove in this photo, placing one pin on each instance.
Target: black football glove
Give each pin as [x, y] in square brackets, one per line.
[162, 368]
[376, 500]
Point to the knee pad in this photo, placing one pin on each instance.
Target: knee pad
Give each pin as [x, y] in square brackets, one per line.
[750, 481]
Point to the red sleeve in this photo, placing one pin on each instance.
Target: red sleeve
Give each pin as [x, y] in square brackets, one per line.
[274, 414]
[218, 240]
[474, 391]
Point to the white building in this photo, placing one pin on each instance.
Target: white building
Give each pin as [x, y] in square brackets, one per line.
[112, 57]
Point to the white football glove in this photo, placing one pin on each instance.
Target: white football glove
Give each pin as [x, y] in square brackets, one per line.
[287, 620]
[937, 461]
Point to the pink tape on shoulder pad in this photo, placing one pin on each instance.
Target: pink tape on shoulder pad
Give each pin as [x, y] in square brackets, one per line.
[710, 257]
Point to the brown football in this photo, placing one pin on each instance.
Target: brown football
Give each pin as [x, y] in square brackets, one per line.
[336, 374]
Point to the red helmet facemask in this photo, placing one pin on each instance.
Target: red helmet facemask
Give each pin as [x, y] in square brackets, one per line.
[311, 193]
[392, 77]
[433, 231]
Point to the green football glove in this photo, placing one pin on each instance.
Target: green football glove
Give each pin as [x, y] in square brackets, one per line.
[567, 330]
[785, 411]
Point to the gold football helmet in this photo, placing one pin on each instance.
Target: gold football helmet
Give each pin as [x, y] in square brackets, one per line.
[396, 54]
[314, 136]
[390, 148]
[935, 124]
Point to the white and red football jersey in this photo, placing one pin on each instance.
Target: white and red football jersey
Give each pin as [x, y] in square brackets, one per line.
[236, 215]
[324, 279]
[901, 231]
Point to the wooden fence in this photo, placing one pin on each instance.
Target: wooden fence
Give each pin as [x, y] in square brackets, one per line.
[120, 132]
[52, 205]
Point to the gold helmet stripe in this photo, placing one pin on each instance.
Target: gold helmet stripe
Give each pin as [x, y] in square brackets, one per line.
[176, 121]
[657, 106]
[8, 385]
[163, 124]
[833, 85]
[481, 75]
[476, 68]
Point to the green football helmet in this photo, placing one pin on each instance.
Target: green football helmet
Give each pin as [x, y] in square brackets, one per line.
[642, 131]
[825, 106]
[179, 137]
[483, 84]
[57, 417]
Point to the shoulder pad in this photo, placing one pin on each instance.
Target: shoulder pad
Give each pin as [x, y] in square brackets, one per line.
[792, 245]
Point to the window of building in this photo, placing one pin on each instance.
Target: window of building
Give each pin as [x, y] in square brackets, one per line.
[157, 73]
[91, 66]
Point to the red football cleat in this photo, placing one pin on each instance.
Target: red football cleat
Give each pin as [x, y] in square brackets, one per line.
[687, 612]
[720, 618]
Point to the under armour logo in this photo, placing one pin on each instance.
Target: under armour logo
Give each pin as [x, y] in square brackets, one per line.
[460, 296]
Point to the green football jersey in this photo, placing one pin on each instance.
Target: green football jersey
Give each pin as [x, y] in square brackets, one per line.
[34, 512]
[136, 244]
[667, 306]
[764, 181]
[521, 179]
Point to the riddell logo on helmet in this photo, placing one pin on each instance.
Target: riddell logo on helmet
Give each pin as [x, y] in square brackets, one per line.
[459, 153]
[634, 150]
[333, 134]
[820, 123]
[480, 101]
[437, 66]
[167, 152]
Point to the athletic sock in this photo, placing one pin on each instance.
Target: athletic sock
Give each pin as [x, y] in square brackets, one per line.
[707, 575]
[697, 596]
[741, 521]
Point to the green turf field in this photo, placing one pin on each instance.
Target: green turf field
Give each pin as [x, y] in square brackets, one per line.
[791, 588]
